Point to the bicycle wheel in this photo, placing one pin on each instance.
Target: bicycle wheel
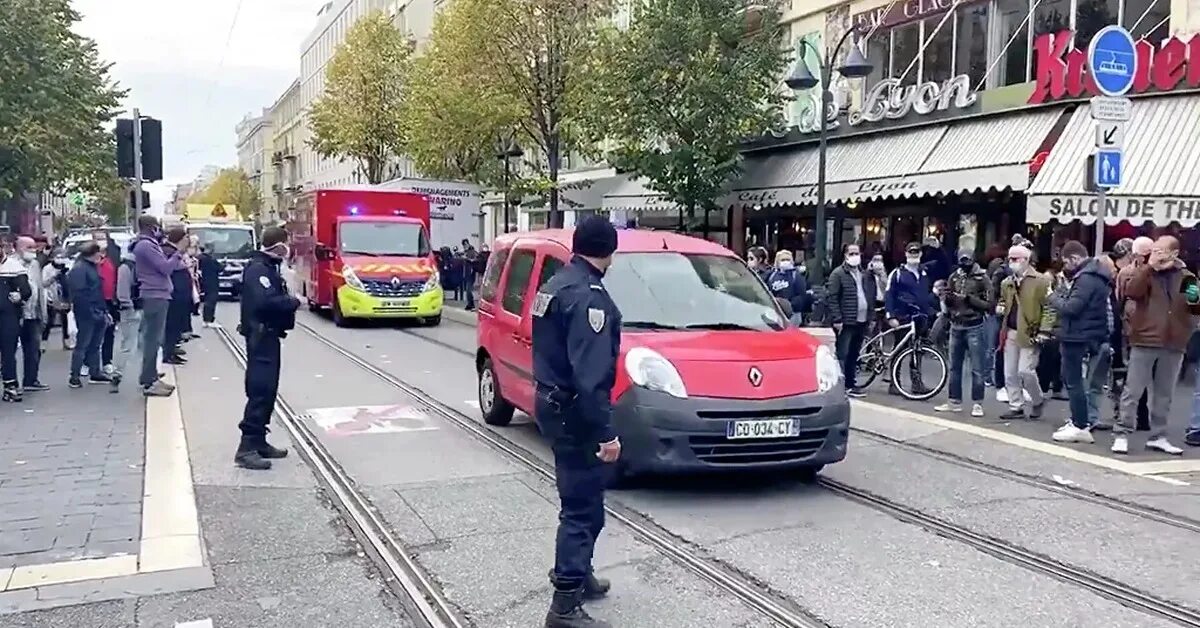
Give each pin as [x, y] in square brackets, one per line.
[867, 368]
[913, 368]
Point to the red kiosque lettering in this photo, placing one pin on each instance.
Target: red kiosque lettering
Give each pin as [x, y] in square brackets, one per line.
[1060, 72]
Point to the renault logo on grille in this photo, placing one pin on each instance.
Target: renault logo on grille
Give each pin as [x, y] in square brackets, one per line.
[395, 282]
[755, 376]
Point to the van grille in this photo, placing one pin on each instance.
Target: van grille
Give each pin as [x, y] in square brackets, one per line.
[388, 289]
[746, 413]
[719, 450]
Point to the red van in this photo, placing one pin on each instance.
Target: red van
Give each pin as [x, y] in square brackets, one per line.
[711, 375]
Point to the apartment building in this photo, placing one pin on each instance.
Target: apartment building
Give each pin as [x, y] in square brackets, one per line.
[254, 151]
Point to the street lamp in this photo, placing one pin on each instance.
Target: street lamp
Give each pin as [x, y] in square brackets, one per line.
[856, 66]
[508, 151]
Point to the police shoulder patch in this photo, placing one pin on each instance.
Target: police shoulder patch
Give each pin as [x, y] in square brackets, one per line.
[266, 283]
[596, 286]
[541, 303]
[596, 319]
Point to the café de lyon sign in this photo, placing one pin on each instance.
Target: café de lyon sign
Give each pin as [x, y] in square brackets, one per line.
[889, 100]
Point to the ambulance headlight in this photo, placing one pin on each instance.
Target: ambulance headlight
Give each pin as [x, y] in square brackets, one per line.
[434, 281]
[829, 370]
[352, 279]
[649, 369]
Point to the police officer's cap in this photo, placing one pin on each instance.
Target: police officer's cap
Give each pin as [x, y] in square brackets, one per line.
[594, 237]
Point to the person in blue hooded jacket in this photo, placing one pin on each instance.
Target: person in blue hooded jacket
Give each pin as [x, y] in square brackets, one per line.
[788, 283]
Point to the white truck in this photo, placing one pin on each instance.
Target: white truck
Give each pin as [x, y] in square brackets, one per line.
[454, 212]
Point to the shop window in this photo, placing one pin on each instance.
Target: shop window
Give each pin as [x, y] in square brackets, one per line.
[938, 59]
[802, 105]
[1052, 16]
[1091, 16]
[906, 43]
[879, 53]
[1148, 19]
[1011, 39]
[538, 220]
[971, 55]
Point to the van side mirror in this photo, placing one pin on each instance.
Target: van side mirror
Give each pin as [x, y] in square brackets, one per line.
[786, 306]
[323, 253]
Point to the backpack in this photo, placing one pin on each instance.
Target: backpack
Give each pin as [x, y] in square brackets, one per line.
[135, 286]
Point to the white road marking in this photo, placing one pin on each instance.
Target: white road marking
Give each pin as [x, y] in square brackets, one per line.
[355, 420]
[1149, 470]
[203, 623]
[474, 403]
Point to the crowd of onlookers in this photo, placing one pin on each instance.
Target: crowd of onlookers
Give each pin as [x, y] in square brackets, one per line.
[1119, 324]
[110, 301]
[460, 269]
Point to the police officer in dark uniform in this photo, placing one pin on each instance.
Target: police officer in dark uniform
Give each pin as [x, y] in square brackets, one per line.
[268, 313]
[576, 340]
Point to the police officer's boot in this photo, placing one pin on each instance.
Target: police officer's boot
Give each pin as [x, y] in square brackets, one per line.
[248, 457]
[593, 588]
[566, 611]
[269, 451]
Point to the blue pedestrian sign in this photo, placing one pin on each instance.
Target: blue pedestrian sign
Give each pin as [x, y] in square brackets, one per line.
[1112, 60]
[1109, 169]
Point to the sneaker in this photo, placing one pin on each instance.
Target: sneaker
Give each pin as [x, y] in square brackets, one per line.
[157, 389]
[977, 410]
[1002, 395]
[36, 387]
[856, 393]
[1162, 444]
[108, 369]
[1120, 445]
[949, 406]
[74, 383]
[1013, 415]
[1071, 434]
[1192, 440]
[99, 378]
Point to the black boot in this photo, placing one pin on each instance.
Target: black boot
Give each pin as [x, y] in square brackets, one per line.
[267, 450]
[593, 588]
[247, 456]
[566, 611]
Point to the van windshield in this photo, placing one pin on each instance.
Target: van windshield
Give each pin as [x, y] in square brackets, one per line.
[225, 242]
[671, 290]
[401, 239]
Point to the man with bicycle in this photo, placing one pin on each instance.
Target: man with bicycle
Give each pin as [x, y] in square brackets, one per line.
[909, 298]
[1027, 320]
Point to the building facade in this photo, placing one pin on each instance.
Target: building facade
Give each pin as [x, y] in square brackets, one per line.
[287, 137]
[255, 143]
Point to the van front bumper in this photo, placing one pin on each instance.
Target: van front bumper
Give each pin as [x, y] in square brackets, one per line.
[358, 304]
[664, 434]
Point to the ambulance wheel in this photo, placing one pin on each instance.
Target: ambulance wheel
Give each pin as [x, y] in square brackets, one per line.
[433, 321]
[338, 319]
[496, 410]
[313, 307]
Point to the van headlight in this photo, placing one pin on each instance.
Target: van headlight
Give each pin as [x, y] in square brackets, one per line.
[829, 370]
[649, 369]
[433, 283]
[352, 279]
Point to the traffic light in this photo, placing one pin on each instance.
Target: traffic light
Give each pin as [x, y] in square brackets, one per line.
[152, 158]
[145, 199]
[151, 149]
[124, 135]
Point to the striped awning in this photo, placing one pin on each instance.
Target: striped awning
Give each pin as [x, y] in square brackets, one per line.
[633, 196]
[1161, 161]
[971, 155]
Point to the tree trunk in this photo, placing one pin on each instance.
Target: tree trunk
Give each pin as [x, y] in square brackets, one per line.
[553, 161]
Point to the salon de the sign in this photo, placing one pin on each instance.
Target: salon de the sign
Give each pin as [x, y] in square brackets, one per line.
[1136, 210]
[889, 100]
[1061, 72]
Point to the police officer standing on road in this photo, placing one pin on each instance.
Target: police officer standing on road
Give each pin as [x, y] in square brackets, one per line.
[576, 340]
[268, 313]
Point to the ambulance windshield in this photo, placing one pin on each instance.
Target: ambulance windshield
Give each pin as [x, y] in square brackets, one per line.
[396, 239]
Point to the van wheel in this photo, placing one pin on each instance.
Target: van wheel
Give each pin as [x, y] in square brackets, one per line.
[338, 319]
[433, 321]
[496, 410]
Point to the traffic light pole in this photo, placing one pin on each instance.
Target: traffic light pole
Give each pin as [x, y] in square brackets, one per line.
[137, 167]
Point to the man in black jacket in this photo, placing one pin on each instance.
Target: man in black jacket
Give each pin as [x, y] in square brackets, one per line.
[179, 311]
[968, 300]
[1086, 319]
[852, 296]
[210, 285]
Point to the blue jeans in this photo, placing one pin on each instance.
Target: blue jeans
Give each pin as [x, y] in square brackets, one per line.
[1081, 395]
[964, 342]
[87, 346]
[1193, 428]
[991, 338]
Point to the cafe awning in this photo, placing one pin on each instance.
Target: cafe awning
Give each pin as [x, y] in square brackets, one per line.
[1161, 161]
[633, 195]
[583, 190]
[954, 157]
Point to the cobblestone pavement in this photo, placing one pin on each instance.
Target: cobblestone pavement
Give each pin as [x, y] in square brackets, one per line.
[70, 471]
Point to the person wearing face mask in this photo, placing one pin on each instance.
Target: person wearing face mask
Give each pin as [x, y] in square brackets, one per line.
[968, 300]
[36, 313]
[1028, 320]
[268, 313]
[14, 293]
[1163, 295]
[153, 268]
[852, 294]
[179, 312]
[758, 263]
[909, 290]
[788, 284]
[1140, 254]
[91, 315]
[1085, 319]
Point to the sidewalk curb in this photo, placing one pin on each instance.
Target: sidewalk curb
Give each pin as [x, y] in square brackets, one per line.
[459, 315]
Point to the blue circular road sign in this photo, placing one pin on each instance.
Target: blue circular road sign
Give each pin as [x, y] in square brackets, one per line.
[1112, 60]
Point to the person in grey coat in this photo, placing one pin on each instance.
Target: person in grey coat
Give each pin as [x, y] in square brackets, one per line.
[37, 313]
